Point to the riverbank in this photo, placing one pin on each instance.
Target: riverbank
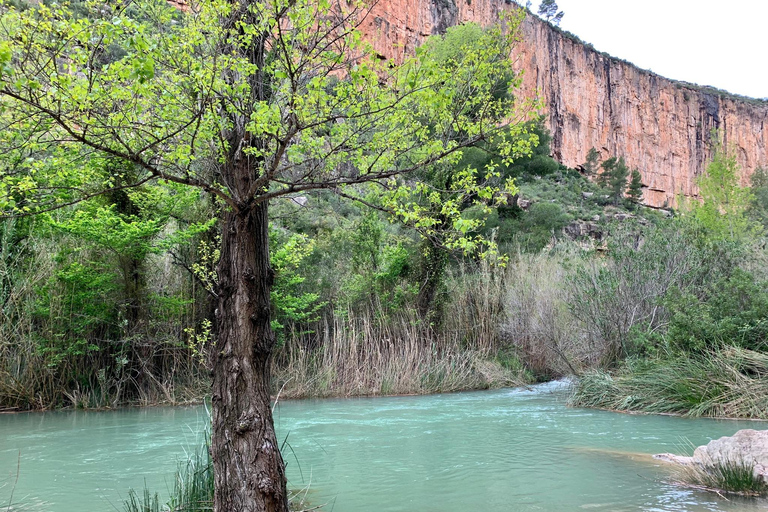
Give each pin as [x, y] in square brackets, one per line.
[731, 382]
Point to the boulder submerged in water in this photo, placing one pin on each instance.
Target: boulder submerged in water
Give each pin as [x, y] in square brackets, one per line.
[746, 447]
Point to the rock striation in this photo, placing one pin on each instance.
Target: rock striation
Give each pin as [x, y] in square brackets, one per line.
[660, 126]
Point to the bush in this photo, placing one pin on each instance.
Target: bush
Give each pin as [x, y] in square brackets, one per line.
[735, 312]
[620, 296]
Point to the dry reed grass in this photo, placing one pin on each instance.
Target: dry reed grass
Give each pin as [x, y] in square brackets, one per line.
[538, 322]
[359, 356]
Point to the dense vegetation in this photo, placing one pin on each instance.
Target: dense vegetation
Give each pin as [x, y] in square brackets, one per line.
[158, 232]
[104, 308]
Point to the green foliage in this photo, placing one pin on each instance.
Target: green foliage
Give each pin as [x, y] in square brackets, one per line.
[367, 240]
[758, 210]
[477, 177]
[537, 162]
[129, 236]
[548, 10]
[732, 310]
[540, 224]
[619, 297]
[592, 164]
[721, 212]
[614, 178]
[77, 309]
[290, 305]
[566, 188]
[635, 190]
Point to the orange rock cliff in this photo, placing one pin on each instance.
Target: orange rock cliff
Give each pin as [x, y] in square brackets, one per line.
[660, 126]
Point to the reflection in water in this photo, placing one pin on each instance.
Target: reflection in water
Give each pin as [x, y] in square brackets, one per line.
[494, 451]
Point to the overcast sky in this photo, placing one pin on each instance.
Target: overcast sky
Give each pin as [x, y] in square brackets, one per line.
[722, 43]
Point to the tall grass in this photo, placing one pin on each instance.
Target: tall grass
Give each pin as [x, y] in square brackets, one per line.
[730, 477]
[43, 365]
[360, 355]
[192, 486]
[371, 351]
[25, 380]
[731, 382]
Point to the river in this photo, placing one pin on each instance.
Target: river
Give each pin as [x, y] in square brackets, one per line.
[501, 450]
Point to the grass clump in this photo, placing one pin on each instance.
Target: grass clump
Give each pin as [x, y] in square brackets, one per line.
[730, 382]
[192, 489]
[733, 477]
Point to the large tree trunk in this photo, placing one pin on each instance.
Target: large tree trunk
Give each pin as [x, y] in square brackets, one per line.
[249, 471]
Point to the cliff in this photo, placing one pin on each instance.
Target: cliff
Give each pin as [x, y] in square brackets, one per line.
[660, 126]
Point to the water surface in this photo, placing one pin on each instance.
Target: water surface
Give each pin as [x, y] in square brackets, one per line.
[503, 450]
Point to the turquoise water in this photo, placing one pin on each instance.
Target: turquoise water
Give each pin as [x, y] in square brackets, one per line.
[503, 450]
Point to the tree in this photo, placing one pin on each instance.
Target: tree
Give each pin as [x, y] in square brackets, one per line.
[247, 101]
[758, 210]
[722, 210]
[548, 10]
[442, 195]
[592, 164]
[614, 178]
[635, 190]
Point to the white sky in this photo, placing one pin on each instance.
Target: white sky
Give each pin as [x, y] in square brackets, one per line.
[708, 42]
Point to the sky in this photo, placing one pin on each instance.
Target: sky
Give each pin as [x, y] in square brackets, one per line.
[707, 42]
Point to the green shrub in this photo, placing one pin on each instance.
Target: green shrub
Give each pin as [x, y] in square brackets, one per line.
[734, 312]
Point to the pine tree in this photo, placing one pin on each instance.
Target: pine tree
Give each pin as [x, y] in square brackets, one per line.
[614, 178]
[635, 190]
[548, 10]
[592, 163]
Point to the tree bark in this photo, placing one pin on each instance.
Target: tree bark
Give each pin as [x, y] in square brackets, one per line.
[249, 470]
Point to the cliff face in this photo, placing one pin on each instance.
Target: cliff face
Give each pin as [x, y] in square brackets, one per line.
[659, 126]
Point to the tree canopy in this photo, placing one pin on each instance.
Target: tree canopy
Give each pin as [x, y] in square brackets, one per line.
[548, 10]
[245, 101]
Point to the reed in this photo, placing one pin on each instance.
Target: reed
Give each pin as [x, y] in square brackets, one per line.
[192, 486]
[361, 354]
[537, 321]
[730, 382]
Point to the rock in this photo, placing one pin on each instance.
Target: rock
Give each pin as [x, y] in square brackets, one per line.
[621, 217]
[590, 99]
[748, 447]
[596, 218]
[587, 195]
[581, 229]
[674, 459]
[523, 203]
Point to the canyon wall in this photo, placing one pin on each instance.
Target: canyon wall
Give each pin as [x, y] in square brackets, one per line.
[660, 126]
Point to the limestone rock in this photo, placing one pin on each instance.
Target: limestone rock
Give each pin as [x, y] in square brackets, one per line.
[660, 126]
[748, 447]
[580, 229]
